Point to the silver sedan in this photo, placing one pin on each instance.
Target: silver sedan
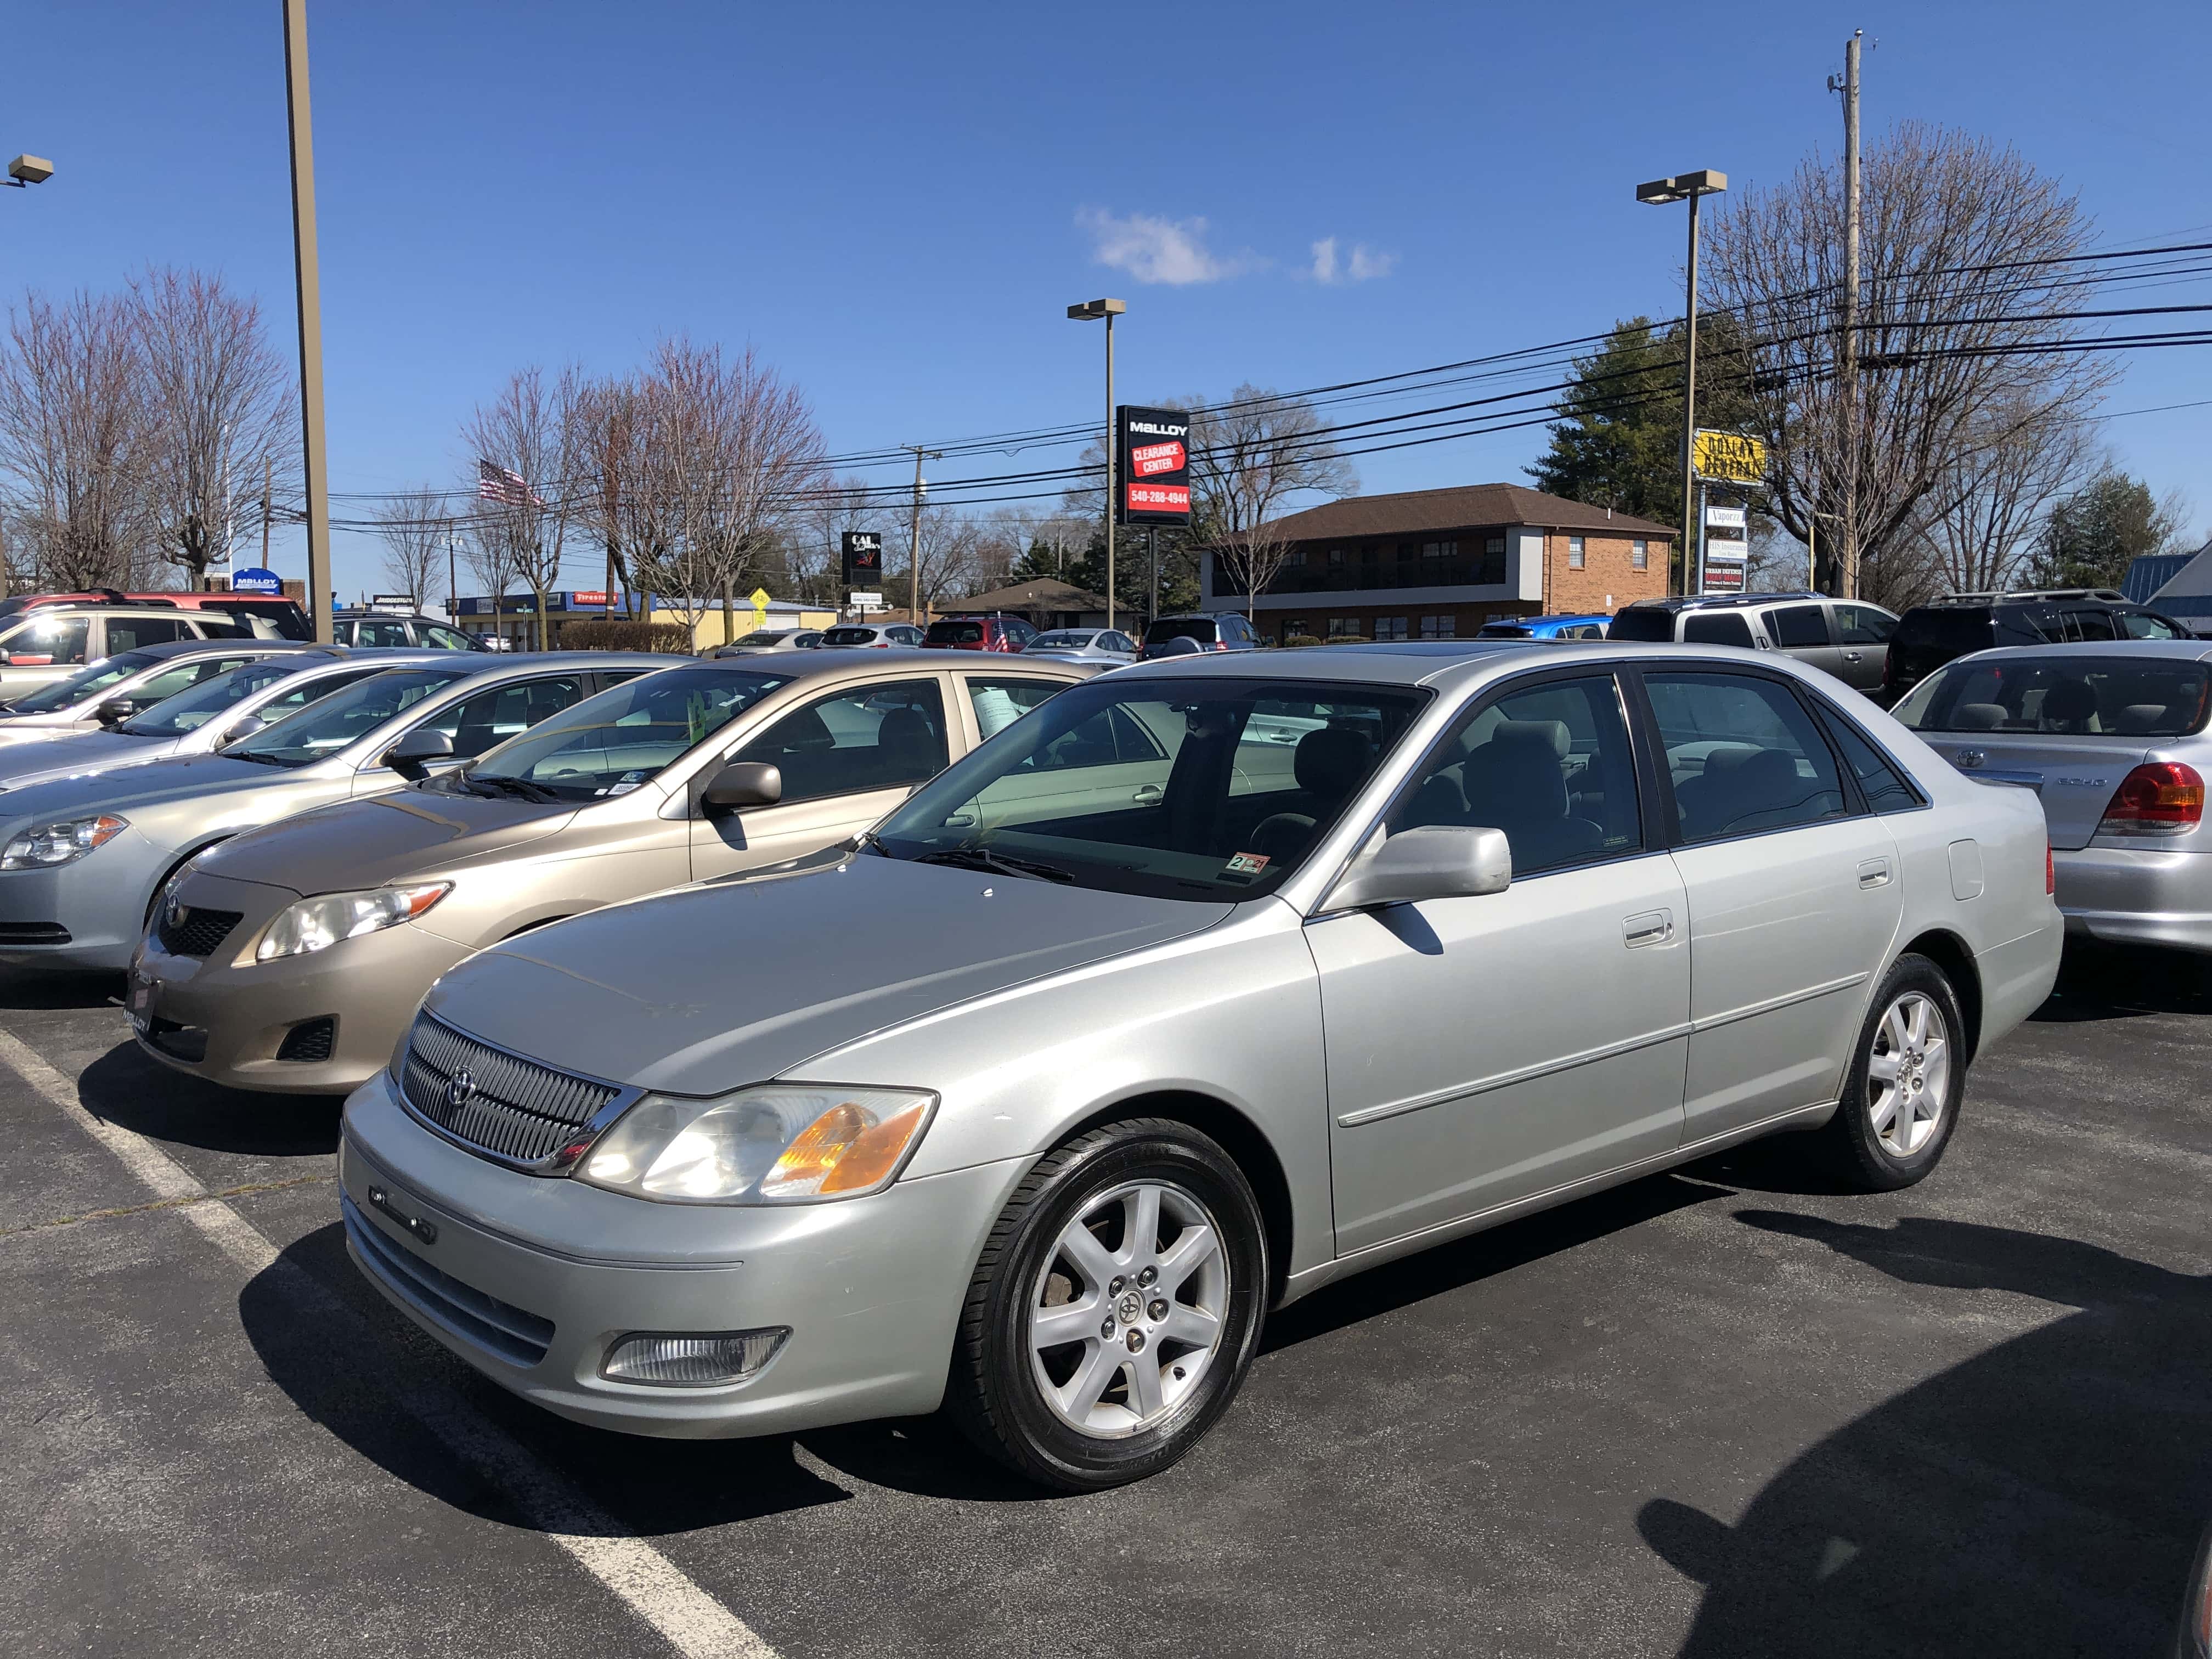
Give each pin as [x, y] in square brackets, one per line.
[1084, 645]
[1187, 1021]
[2110, 735]
[112, 690]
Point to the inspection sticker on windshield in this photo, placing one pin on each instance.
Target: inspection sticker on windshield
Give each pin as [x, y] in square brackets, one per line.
[1247, 865]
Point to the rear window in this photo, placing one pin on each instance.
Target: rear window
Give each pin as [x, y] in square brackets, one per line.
[2063, 695]
[1201, 629]
[849, 636]
[954, 633]
[1655, 627]
[1504, 631]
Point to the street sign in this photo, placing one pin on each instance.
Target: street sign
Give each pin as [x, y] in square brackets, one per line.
[1724, 517]
[1733, 457]
[758, 599]
[864, 600]
[863, 557]
[1719, 551]
[1723, 578]
[1152, 463]
[254, 580]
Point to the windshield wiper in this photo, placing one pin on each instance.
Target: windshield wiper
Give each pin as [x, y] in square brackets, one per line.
[496, 784]
[982, 858]
[259, 759]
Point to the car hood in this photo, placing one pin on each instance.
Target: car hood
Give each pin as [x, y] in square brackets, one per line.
[705, 988]
[366, 843]
[153, 784]
[64, 756]
[39, 728]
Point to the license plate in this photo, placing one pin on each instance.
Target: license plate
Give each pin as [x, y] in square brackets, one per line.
[141, 1005]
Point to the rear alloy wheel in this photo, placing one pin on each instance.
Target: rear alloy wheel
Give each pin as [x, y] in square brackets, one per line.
[1901, 1099]
[1114, 1309]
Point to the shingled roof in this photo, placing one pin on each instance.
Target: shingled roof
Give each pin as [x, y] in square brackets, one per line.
[1462, 507]
[1044, 593]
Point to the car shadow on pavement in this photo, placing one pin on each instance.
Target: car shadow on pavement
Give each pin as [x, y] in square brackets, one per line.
[360, 1380]
[124, 1086]
[38, 989]
[1470, 1260]
[2101, 981]
[2044, 1497]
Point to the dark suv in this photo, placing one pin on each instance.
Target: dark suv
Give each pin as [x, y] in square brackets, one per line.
[1848, 638]
[1226, 631]
[999, 633]
[1929, 635]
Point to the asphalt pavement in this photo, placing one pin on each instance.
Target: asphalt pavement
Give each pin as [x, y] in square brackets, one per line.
[1719, 1412]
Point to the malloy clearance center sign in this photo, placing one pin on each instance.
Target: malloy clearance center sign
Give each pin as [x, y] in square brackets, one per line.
[1153, 464]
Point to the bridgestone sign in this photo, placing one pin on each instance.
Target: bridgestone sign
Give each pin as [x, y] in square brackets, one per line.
[1151, 465]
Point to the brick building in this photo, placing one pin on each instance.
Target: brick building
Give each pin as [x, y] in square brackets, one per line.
[1438, 564]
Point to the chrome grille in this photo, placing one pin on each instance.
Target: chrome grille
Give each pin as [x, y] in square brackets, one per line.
[194, 932]
[498, 1105]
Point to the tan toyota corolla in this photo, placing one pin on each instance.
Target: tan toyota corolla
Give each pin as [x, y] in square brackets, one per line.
[333, 924]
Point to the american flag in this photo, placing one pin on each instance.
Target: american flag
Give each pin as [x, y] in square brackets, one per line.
[497, 483]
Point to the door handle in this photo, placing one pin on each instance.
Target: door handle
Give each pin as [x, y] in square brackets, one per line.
[1875, 872]
[1650, 927]
[1147, 794]
[1852, 656]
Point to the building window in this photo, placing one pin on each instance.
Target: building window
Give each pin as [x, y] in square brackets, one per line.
[1440, 628]
[1336, 555]
[1492, 572]
[1296, 555]
[1639, 555]
[1292, 627]
[1440, 550]
[1389, 628]
[1574, 552]
[1341, 628]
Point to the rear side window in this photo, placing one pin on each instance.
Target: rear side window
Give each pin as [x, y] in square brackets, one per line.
[381, 632]
[1653, 627]
[1798, 625]
[2089, 625]
[1932, 636]
[1864, 624]
[1743, 755]
[1717, 628]
[1881, 782]
[999, 702]
[132, 633]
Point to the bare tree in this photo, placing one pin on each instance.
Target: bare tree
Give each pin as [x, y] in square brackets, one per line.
[1248, 458]
[72, 440]
[415, 528]
[1980, 526]
[1963, 304]
[947, 549]
[220, 417]
[526, 505]
[824, 517]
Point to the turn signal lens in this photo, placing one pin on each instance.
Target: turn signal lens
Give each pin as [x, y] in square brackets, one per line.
[846, 1150]
[2158, 798]
[2050, 872]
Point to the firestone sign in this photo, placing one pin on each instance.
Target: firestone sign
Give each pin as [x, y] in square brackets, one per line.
[1152, 466]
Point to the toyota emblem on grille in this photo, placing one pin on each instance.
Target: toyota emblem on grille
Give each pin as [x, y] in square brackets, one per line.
[176, 912]
[460, 1090]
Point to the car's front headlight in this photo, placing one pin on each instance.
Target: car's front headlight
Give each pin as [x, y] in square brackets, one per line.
[775, 1143]
[51, 844]
[316, 924]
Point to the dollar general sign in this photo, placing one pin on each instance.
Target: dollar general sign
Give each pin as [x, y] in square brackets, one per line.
[1731, 456]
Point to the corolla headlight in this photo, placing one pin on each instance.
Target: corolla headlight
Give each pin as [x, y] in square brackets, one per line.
[51, 844]
[775, 1143]
[316, 924]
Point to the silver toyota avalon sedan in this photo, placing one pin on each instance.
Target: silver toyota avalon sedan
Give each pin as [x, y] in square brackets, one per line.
[82, 859]
[1215, 980]
[2111, 734]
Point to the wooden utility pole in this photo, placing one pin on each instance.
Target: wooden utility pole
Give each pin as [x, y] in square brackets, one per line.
[308, 271]
[268, 485]
[914, 540]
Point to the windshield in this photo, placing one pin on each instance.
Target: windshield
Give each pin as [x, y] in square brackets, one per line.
[324, 728]
[611, 743]
[108, 671]
[208, 700]
[1204, 789]
[2062, 694]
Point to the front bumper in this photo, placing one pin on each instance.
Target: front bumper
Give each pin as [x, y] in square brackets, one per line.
[226, 1017]
[2147, 895]
[87, 914]
[531, 1279]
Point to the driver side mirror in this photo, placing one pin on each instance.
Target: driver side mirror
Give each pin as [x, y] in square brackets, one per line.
[742, 784]
[244, 726]
[1434, 862]
[412, 755]
[115, 711]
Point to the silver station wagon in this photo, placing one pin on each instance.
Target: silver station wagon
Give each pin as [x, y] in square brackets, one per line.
[1204, 984]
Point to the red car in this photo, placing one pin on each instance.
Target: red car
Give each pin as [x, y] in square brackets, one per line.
[979, 634]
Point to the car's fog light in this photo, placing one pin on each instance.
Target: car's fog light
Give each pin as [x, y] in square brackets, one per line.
[692, 1362]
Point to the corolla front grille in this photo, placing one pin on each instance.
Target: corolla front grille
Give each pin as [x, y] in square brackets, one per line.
[194, 932]
[498, 1105]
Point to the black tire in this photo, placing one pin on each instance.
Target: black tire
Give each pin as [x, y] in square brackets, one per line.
[1853, 1146]
[993, 1393]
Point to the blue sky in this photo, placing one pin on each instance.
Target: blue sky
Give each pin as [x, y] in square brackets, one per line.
[896, 204]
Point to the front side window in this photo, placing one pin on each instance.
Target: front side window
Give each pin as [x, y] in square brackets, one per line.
[1217, 789]
[611, 743]
[445, 639]
[494, 714]
[381, 632]
[2065, 694]
[2143, 625]
[89, 682]
[48, 641]
[1864, 624]
[1797, 625]
[872, 737]
[1717, 628]
[1550, 766]
[1743, 754]
[210, 700]
[345, 717]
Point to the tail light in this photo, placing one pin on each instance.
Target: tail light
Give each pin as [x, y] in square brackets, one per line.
[2050, 873]
[2158, 798]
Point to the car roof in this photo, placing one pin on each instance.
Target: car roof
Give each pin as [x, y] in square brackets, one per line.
[1721, 601]
[832, 659]
[2180, 650]
[212, 648]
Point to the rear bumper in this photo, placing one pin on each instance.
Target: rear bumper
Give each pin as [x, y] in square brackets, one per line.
[2136, 896]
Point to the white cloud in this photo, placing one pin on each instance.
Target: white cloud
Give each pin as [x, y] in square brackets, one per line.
[1362, 265]
[1157, 250]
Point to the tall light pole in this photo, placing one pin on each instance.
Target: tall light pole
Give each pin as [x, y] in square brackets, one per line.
[1687, 187]
[1847, 583]
[23, 173]
[308, 273]
[1090, 312]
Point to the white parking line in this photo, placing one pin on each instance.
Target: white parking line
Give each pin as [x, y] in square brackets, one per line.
[651, 1585]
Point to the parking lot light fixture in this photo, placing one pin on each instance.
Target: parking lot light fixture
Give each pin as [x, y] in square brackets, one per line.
[27, 170]
[1659, 192]
[1091, 311]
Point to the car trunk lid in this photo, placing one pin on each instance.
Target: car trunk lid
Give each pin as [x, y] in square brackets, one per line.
[2075, 776]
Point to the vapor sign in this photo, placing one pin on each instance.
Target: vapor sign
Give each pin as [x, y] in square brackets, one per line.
[864, 558]
[1151, 465]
